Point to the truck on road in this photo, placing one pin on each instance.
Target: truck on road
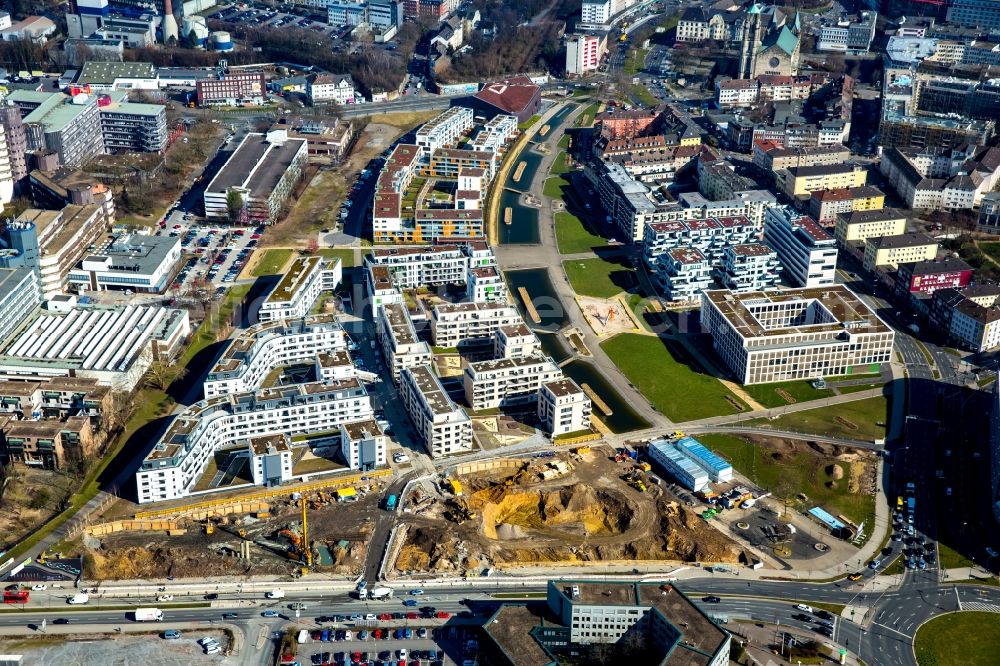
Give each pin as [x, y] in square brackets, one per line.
[390, 503]
[275, 594]
[148, 615]
[382, 593]
[911, 504]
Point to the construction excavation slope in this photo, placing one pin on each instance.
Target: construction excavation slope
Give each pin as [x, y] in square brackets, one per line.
[568, 510]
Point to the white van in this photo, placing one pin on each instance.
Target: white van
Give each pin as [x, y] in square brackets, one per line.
[804, 608]
[78, 599]
[213, 649]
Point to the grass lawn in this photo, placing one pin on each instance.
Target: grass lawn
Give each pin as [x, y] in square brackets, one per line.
[968, 637]
[951, 558]
[529, 122]
[346, 255]
[862, 419]
[803, 472]
[272, 261]
[599, 278]
[559, 165]
[564, 141]
[554, 187]
[572, 236]
[644, 96]
[778, 394]
[859, 387]
[586, 119]
[669, 379]
[991, 249]
[634, 61]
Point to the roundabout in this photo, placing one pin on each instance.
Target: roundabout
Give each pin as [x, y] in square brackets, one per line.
[969, 638]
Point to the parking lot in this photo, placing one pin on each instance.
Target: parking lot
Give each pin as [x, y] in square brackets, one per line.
[275, 18]
[215, 254]
[387, 646]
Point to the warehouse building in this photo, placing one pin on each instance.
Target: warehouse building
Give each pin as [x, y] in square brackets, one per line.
[180, 457]
[795, 334]
[443, 427]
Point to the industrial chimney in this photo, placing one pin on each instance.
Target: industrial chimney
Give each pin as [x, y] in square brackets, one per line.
[169, 23]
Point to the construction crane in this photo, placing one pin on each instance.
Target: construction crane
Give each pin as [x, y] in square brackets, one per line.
[306, 551]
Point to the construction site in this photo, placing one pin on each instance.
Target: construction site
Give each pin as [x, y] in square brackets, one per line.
[590, 505]
[240, 538]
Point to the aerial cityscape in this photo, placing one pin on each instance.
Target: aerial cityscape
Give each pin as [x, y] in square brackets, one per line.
[481, 333]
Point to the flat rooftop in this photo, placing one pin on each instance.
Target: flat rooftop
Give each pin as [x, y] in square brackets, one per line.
[269, 444]
[400, 324]
[430, 388]
[363, 429]
[293, 280]
[563, 387]
[846, 311]
[510, 629]
[257, 165]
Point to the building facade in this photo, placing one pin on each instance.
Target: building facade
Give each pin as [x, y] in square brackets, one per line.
[443, 427]
[806, 251]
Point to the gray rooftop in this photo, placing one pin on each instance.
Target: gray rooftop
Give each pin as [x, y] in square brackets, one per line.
[105, 73]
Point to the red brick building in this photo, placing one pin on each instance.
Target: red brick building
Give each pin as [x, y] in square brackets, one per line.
[233, 90]
[517, 96]
[626, 124]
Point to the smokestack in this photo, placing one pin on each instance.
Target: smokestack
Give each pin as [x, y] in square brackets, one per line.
[169, 23]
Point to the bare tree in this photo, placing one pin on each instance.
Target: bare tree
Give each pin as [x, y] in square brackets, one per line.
[122, 409]
[161, 374]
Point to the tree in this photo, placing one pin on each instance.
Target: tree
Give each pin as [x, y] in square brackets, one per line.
[234, 204]
[161, 374]
[121, 411]
[312, 247]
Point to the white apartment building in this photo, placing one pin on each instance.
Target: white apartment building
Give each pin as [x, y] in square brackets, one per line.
[848, 35]
[424, 266]
[270, 460]
[398, 339]
[338, 88]
[363, 445]
[485, 285]
[795, 334]
[506, 382]
[709, 235]
[380, 288]
[456, 324]
[584, 53]
[595, 11]
[682, 273]
[178, 460]
[295, 295]
[258, 350]
[443, 426]
[445, 130]
[495, 134]
[20, 294]
[515, 341]
[736, 93]
[563, 407]
[749, 267]
[806, 251]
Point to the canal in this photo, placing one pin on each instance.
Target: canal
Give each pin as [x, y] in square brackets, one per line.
[623, 418]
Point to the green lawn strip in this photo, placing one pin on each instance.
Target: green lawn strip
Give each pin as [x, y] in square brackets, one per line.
[951, 558]
[554, 187]
[634, 61]
[586, 118]
[674, 388]
[642, 94]
[854, 388]
[346, 255]
[572, 236]
[559, 164]
[868, 418]
[564, 141]
[272, 262]
[598, 278]
[968, 637]
[637, 305]
[529, 122]
[774, 395]
[787, 476]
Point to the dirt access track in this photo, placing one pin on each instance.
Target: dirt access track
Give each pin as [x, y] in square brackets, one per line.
[585, 512]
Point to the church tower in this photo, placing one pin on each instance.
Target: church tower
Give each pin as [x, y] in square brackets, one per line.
[751, 39]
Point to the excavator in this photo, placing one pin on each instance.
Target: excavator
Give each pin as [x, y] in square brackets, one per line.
[460, 512]
[516, 478]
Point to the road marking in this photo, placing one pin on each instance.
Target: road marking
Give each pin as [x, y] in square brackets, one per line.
[895, 631]
[980, 606]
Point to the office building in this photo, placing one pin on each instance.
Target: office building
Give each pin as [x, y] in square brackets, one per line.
[983, 14]
[890, 251]
[563, 408]
[801, 181]
[580, 616]
[852, 35]
[926, 277]
[14, 139]
[770, 156]
[128, 262]
[749, 267]
[584, 53]
[107, 76]
[507, 382]
[860, 226]
[806, 251]
[682, 273]
[398, 338]
[114, 345]
[989, 213]
[263, 171]
[515, 341]
[234, 89]
[20, 294]
[460, 324]
[363, 445]
[296, 293]
[132, 127]
[7, 180]
[264, 347]
[68, 127]
[442, 426]
[826, 205]
[181, 456]
[795, 334]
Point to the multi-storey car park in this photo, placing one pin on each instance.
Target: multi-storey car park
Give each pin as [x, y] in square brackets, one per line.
[443, 427]
[263, 347]
[173, 468]
[795, 334]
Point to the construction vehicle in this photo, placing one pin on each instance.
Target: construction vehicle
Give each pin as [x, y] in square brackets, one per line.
[708, 514]
[390, 503]
[678, 434]
[347, 495]
[460, 512]
[456, 487]
[209, 528]
[899, 503]
[512, 480]
[645, 467]
[581, 450]
[380, 593]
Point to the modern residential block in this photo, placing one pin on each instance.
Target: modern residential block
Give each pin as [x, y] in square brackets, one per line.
[457, 324]
[749, 267]
[563, 407]
[806, 251]
[398, 339]
[507, 382]
[443, 427]
[682, 273]
[296, 293]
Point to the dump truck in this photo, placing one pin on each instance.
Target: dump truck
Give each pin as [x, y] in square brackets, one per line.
[456, 487]
[148, 615]
[381, 593]
[347, 495]
[390, 503]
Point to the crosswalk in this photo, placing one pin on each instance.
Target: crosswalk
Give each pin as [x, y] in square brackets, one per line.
[980, 606]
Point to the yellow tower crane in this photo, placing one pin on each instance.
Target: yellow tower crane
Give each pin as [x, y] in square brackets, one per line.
[306, 550]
